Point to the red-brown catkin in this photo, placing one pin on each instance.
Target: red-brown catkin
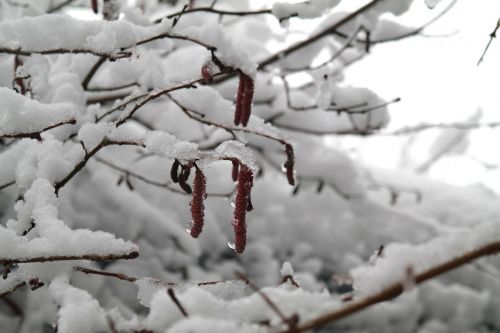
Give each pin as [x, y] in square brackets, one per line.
[239, 99]
[246, 108]
[243, 189]
[290, 161]
[197, 206]
[236, 169]
[93, 3]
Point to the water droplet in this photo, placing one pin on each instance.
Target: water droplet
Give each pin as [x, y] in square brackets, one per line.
[233, 204]
[283, 168]
[189, 226]
[231, 245]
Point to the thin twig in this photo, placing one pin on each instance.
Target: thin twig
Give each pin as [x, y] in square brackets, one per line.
[493, 35]
[17, 286]
[92, 71]
[37, 135]
[289, 321]
[7, 184]
[176, 301]
[93, 257]
[316, 37]
[120, 276]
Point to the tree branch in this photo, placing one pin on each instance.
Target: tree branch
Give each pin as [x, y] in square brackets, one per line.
[92, 257]
[395, 289]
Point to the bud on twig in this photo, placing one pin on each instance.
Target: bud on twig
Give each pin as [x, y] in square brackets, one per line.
[207, 73]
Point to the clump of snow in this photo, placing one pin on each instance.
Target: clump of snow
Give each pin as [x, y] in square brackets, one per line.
[388, 29]
[396, 7]
[227, 50]
[286, 269]
[167, 145]
[79, 312]
[55, 238]
[237, 149]
[19, 114]
[65, 32]
[49, 159]
[392, 267]
[9, 159]
[225, 290]
[432, 3]
[304, 10]
[93, 134]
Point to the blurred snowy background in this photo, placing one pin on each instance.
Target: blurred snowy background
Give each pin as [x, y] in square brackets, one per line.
[389, 201]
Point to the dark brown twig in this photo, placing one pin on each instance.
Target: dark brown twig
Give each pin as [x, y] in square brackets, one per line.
[120, 276]
[92, 257]
[176, 301]
[37, 135]
[290, 322]
[493, 35]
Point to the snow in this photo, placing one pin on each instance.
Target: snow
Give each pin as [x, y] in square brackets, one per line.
[432, 3]
[64, 32]
[167, 145]
[392, 267]
[219, 110]
[92, 134]
[55, 238]
[322, 231]
[228, 51]
[304, 10]
[49, 159]
[226, 290]
[20, 114]
[238, 150]
[286, 269]
[388, 29]
[79, 311]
